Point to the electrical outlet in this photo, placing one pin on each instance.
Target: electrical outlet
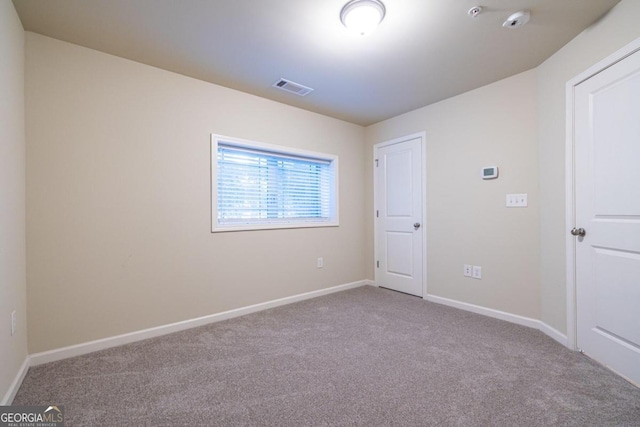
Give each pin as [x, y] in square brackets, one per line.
[477, 272]
[14, 322]
[467, 270]
[320, 262]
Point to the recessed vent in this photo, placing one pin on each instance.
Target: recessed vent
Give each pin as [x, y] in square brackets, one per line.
[289, 86]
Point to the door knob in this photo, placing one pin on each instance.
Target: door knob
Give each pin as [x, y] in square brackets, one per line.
[416, 225]
[579, 232]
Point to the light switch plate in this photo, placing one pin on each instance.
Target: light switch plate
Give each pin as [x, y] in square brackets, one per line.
[477, 272]
[517, 200]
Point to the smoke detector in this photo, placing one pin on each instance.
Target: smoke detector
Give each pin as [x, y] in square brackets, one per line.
[289, 86]
[517, 19]
[475, 11]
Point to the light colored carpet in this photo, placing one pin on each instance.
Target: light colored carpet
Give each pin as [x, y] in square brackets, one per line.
[363, 357]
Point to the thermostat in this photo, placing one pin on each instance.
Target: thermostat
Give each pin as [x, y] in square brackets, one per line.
[489, 172]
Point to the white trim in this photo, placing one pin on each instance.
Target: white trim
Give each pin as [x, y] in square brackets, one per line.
[570, 223]
[497, 314]
[502, 315]
[17, 382]
[368, 282]
[101, 344]
[553, 333]
[423, 143]
[607, 62]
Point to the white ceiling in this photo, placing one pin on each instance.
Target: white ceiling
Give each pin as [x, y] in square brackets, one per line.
[424, 50]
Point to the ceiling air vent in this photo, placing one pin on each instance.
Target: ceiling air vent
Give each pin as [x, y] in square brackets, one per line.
[289, 86]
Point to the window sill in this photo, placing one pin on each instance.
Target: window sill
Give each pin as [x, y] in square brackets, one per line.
[255, 227]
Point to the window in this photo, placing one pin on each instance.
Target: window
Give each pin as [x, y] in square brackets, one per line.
[260, 186]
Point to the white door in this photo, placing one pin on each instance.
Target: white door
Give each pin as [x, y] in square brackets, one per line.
[399, 229]
[607, 203]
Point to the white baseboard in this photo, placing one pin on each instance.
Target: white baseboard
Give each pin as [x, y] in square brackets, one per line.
[554, 333]
[101, 344]
[503, 315]
[17, 382]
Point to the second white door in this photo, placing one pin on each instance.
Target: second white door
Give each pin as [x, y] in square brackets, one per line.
[399, 228]
[607, 201]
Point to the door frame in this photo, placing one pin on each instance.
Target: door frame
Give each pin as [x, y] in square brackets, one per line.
[423, 167]
[570, 219]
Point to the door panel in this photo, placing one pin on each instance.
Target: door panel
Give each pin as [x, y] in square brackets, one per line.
[616, 273]
[616, 146]
[398, 191]
[399, 184]
[607, 202]
[399, 253]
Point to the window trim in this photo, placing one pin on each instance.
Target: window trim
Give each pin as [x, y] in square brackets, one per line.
[275, 149]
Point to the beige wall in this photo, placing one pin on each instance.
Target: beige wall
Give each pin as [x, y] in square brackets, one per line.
[467, 221]
[118, 207]
[118, 191]
[470, 130]
[13, 349]
[618, 28]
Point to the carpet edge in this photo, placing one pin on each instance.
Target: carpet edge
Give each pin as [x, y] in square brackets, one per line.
[117, 340]
[17, 382]
[503, 315]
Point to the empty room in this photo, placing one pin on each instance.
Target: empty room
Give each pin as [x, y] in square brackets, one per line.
[320, 212]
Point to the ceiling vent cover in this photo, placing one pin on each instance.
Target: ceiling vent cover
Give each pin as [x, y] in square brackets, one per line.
[289, 86]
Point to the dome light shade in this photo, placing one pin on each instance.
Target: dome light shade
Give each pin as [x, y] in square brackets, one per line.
[362, 16]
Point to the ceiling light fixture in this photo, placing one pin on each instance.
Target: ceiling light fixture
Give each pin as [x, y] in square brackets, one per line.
[362, 16]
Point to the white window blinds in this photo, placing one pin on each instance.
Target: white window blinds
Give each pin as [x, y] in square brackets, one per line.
[258, 186]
